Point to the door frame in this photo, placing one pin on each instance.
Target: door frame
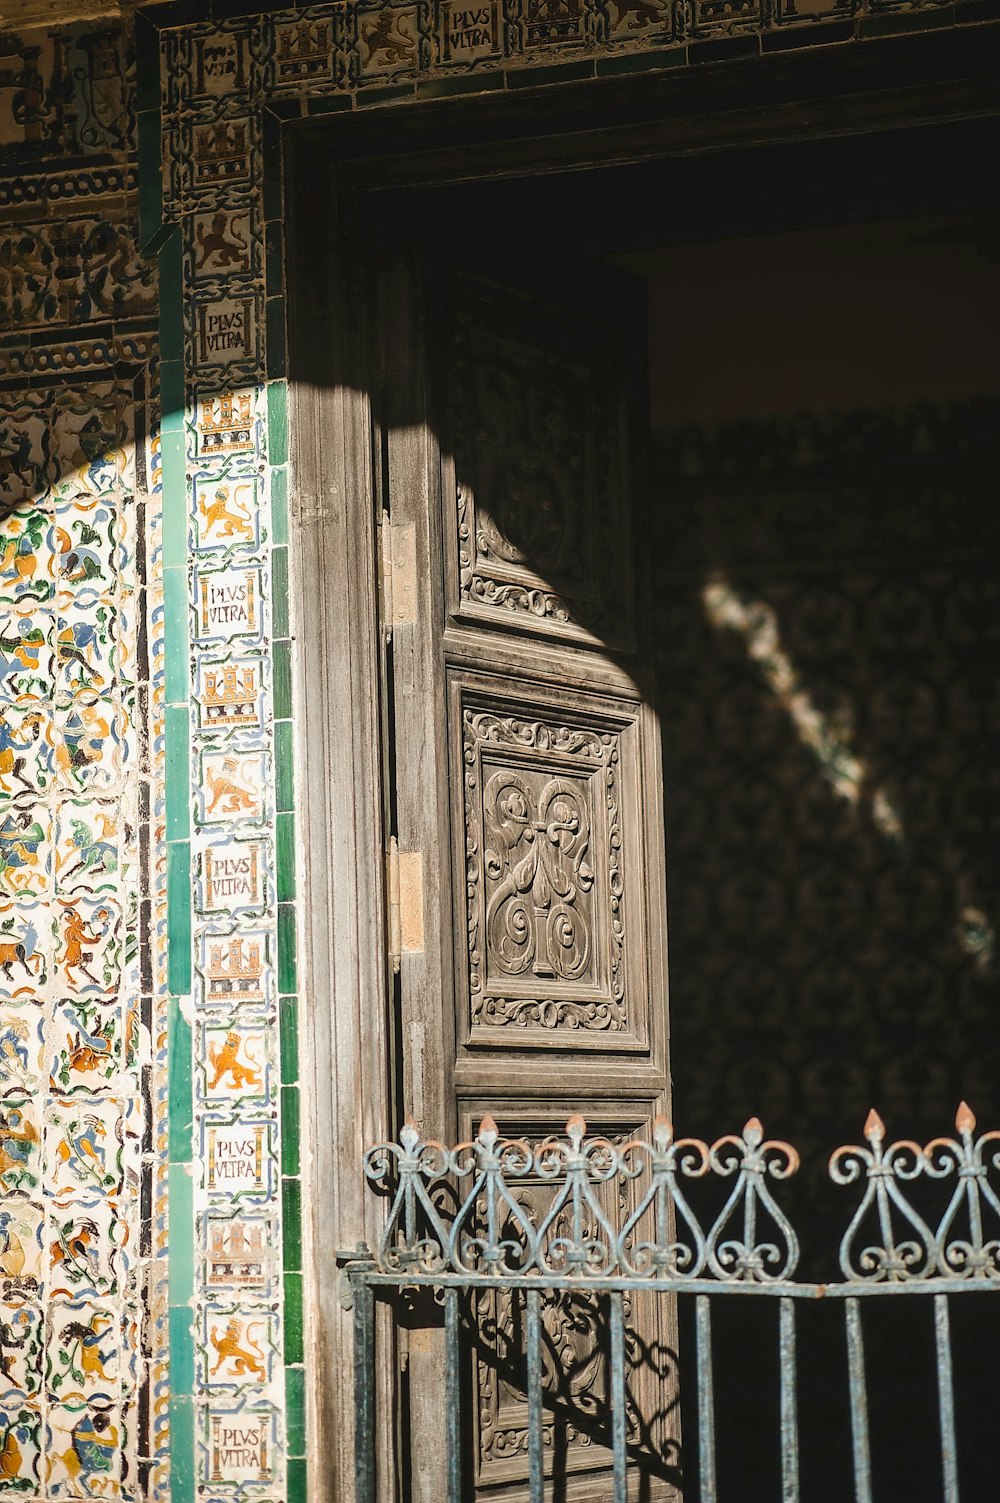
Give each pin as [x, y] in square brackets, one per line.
[332, 166]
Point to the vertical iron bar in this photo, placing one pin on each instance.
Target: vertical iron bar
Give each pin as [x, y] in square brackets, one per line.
[859, 1402]
[364, 1392]
[706, 1398]
[618, 1410]
[789, 1410]
[453, 1396]
[536, 1480]
[946, 1399]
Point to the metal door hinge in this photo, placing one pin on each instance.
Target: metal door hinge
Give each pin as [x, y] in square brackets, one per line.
[399, 572]
[405, 885]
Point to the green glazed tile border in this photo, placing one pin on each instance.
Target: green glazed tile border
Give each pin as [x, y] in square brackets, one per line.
[282, 670]
[178, 751]
[291, 1225]
[181, 1349]
[288, 1012]
[179, 1085]
[286, 948]
[182, 1449]
[180, 1190]
[294, 1342]
[297, 1481]
[277, 422]
[279, 591]
[295, 1410]
[284, 777]
[179, 917]
[285, 842]
[279, 506]
[290, 1130]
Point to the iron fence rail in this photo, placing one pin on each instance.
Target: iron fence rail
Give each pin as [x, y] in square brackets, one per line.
[461, 1220]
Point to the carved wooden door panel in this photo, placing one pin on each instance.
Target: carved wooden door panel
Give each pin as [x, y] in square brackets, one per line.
[525, 777]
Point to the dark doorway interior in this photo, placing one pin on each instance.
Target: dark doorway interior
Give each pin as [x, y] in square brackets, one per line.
[825, 428]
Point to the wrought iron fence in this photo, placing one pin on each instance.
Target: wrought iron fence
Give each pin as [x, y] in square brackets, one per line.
[925, 1223]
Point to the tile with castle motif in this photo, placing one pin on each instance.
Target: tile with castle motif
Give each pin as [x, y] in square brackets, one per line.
[235, 969]
[229, 694]
[227, 423]
[240, 1253]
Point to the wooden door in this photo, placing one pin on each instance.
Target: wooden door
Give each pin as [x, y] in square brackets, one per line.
[524, 781]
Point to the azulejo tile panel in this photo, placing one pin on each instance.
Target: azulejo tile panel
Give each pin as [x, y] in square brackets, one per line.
[80, 1045]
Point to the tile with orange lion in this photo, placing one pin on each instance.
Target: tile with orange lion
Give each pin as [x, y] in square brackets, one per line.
[20, 1146]
[84, 1445]
[89, 743]
[26, 854]
[26, 572]
[88, 1150]
[86, 1249]
[20, 1444]
[27, 653]
[88, 441]
[21, 1338]
[85, 1045]
[83, 1351]
[89, 938]
[24, 431]
[235, 1064]
[22, 1224]
[22, 1048]
[23, 949]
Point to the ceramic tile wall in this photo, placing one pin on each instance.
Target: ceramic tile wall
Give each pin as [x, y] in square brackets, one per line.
[82, 1040]
[147, 840]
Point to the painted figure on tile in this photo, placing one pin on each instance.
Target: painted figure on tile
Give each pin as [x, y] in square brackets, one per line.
[94, 459]
[85, 1353]
[82, 1151]
[20, 837]
[76, 1252]
[226, 514]
[20, 661]
[14, 751]
[225, 1059]
[21, 548]
[233, 796]
[231, 1345]
[14, 1063]
[224, 248]
[11, 1458]
[95, 853]
[94, 1448]
[22, 952]
[18, 1145]
[14, 1335]
[13, 1254]
[87, 1052]
[77, 644]
[85, 734]
[75, 936]
[386, 35]
[77, 563]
